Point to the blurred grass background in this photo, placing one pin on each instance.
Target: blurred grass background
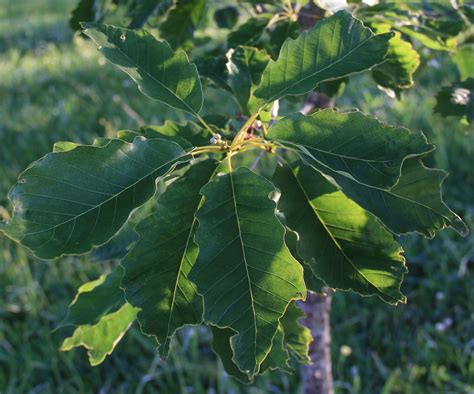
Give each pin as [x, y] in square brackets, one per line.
[54, 86]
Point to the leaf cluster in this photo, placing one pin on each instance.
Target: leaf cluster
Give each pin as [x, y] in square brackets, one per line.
[248, 214]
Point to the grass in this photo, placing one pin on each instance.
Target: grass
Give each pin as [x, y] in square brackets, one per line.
[55, 87]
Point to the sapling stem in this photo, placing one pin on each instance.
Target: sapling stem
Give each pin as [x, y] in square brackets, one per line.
[241, 133]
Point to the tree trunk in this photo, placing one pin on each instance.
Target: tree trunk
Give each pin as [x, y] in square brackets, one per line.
[317, 377]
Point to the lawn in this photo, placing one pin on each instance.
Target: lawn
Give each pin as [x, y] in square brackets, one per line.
[54, 86]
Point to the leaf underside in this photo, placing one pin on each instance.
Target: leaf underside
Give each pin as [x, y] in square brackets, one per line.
[68, 202]
[414, 204]
[215, 248]
[350, 145]
[96, 299]
[157, 268]
[335, 47]
[244, 271]
[181, 22]
[343, 244]
[245, 66]
[100, 339]
[159, 73]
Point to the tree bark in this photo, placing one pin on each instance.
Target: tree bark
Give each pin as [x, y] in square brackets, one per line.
[317, 377]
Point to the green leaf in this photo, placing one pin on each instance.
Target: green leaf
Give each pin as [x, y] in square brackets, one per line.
[333, 88]
[120, 244]
[297, 337]
[352, 145]
[213, 67]
[464, 59]
[84, 12]
[226, 17]
[186, 135]
[429, 37]
[157, 268]
[250, 32]
[278, 357]
[413, 204]
[64, 146]
[221, 346]
[245, 66]
[312, 282]
[68, 202]
[244, 270]
[344, 245]
[181, 22]
[401, 62]
[281, 31]
[189, 132]
[457, 100]
[159, 73]
[417, 21]
[96, 299]
[140, 12]
[335, 47]
[100, 339]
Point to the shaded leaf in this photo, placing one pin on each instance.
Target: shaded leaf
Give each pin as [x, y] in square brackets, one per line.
[250, 32]
[413, 204]
[159, 73]
[68, 202]
[186, 135]
[119, 245]
[312, 282]
[281, 31]
[278, 357]
[464, 59]
[352, 145]
[244, 270]
[157, 267]
[221, 347]
[100, 339]
[95, 299]
[457, 100]
[181, 22]
[297, 337]
[190, 132]
[84, 12]
[334, 87]
[226, 17]
[141, 11]
[344, 245]
[335, 47]
[214, 68]
[245, 66]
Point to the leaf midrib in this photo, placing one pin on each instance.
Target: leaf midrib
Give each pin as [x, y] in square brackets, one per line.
[334, 239]
[234, 201]
[283, 92]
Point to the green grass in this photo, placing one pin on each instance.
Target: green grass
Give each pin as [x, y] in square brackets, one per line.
[55, 87]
